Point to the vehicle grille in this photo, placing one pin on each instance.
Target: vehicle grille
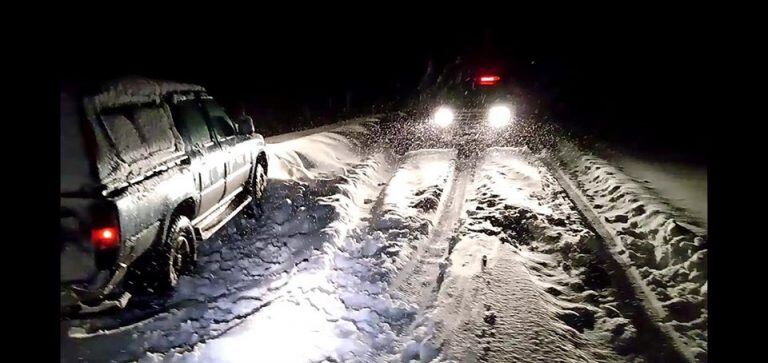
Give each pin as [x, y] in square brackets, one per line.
[470, 116]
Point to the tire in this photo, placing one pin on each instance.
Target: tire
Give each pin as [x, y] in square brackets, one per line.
[257, 187]
[174, 257]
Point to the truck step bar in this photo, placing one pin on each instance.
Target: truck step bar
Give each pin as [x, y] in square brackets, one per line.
[207, 224]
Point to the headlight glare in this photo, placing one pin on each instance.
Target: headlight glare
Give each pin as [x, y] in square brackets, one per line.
[499, 116]
[443, 116]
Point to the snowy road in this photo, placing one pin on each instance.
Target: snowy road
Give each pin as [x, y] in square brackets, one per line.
[365, 255]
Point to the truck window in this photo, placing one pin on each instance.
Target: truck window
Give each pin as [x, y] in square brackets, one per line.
[139, 130]
[220, 123]
[190, 121]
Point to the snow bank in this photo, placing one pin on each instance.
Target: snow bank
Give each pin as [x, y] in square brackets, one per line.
[307, 156]
[373, 270]
[669, 254]
[683, 184]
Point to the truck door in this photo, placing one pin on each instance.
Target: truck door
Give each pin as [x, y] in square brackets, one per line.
[208, 160]
[238, 156]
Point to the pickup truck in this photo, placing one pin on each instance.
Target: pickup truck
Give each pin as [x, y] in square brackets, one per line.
[149, 170]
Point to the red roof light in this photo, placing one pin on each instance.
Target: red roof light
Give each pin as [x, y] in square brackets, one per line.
[489, 80]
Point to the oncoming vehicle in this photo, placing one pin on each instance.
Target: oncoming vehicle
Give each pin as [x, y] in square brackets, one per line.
[473, 109]
[468, 106]
[149, 169]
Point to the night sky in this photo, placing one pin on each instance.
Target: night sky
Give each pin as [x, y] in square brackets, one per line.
[629, 88]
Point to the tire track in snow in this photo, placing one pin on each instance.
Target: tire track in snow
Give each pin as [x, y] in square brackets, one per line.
[404, 219]
[419, 281]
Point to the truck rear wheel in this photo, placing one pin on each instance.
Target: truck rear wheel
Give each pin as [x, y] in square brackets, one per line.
[178, 252]
[164, 264]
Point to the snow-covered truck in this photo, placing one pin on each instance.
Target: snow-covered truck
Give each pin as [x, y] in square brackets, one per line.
[149, 169]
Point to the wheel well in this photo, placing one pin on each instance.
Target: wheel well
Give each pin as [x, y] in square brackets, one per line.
[262, 159]
[185, 208]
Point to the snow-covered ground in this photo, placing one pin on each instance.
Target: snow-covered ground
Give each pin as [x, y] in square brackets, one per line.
[365, 255]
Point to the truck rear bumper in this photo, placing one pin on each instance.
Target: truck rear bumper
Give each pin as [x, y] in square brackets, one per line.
[77, 299]
[119, 302]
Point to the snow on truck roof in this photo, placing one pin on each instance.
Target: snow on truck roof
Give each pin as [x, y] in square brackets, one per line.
[132, 90]
[128, 143]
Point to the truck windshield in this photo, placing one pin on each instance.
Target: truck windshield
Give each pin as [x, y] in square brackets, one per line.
[190, 121]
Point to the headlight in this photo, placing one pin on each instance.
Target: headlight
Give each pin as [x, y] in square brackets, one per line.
[443, 116]
[499, 116]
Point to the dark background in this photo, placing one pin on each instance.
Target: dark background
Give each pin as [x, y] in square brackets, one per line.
[631, 87]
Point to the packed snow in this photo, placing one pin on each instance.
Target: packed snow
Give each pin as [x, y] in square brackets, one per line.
[362, 254]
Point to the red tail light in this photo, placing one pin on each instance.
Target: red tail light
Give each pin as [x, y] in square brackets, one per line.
[489, 80]
[104, 238]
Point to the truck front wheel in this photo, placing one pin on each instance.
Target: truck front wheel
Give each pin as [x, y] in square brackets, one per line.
[258, 185]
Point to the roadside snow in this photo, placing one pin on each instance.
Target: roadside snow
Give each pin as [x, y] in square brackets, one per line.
[356, 122]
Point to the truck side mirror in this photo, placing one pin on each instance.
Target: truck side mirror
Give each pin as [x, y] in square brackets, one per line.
[245, 125]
